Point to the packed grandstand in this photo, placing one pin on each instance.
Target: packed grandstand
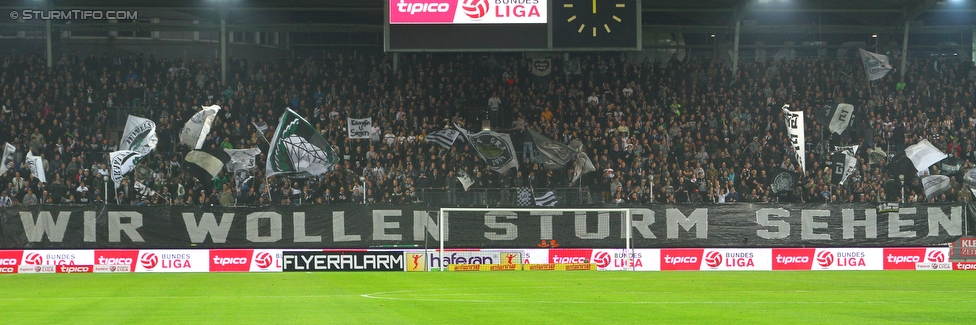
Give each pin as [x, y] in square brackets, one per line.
[681, 131]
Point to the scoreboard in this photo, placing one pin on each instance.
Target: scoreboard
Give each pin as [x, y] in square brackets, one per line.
[511, 25]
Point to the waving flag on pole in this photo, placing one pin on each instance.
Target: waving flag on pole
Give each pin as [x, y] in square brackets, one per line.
[196, 129]
[242, 162]
[444, 138]
[554, 155]
[36, 166]
[205, 165]
[139, 135]
[841, 119]
[923, 155]
[8, 157]
[794, 126]
[876, 65]
[546, 200]
[123, 162]
[495, 148]
[298, 150]
[844, 163]
[143, 189]
[583, 163]
[935, 185]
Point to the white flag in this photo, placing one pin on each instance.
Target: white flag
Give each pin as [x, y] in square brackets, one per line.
[242, 158]
[196, 129]
[935, 185]
[444, 138]
[794, 126]
[923, 155]
[139, 135]
[123, 162]
[876, 66]
[36, 166]
[842, 118]
[359, 127]
[7, 161]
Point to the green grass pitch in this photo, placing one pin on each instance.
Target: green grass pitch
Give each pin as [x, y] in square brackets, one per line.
[517, 297]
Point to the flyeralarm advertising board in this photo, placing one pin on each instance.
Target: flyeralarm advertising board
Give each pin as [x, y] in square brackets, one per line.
[468, 11]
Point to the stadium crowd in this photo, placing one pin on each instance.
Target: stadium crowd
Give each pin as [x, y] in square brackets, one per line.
[657, 131]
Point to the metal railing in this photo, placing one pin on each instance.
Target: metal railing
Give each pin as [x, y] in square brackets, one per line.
[478, 197]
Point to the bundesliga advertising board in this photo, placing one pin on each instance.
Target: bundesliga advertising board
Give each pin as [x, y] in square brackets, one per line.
[641, 259]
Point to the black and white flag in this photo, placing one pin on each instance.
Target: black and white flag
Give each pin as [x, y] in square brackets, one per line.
[935, 185]
[844, 163]
[196, 129]
[554, 155]
[242, 158]
[495, 148]
[261, 126]
[794, 127]
[583, 163]
[876, 66]
[465, 179]
[783, 181]
[205, 165]
[443, 138]
[36, 166]
[841, 119]
[7, 162]
[546, 200]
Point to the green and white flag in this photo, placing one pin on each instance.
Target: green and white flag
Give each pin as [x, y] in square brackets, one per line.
[298, 150]
[123, 162]
[139, 135]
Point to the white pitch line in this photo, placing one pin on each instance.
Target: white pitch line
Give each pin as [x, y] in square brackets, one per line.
[674, 302]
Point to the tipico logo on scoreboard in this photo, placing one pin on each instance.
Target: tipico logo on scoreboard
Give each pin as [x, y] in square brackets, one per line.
[468, 11]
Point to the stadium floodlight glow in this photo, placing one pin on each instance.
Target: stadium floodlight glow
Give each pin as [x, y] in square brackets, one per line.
[874, 35]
